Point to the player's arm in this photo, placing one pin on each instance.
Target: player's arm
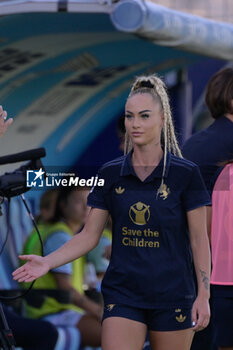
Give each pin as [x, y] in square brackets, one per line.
[76, 247]
[201, 256]
[82, 243]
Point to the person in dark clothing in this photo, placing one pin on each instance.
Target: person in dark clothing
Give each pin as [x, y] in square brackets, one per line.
[28, 334]
[208, 148]
[31, 334]
[213, 145]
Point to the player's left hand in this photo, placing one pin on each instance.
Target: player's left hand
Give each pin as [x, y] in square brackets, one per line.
[200, 313]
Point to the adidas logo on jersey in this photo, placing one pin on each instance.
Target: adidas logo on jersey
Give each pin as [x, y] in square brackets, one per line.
[120, 190]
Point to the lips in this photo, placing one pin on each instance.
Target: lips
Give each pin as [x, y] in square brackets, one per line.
[136, 134]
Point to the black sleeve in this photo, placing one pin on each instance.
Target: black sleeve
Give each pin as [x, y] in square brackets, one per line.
[97, 197]
[195, 195]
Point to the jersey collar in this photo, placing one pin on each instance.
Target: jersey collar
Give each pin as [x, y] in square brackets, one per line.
[127, 167]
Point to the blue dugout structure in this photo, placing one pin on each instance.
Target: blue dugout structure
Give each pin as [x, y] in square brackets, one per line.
[64, 77]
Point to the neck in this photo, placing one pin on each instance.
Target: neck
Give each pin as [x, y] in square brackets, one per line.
[229, 116]
[149, 155]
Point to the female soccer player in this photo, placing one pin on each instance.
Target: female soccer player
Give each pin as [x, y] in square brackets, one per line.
[157, 203]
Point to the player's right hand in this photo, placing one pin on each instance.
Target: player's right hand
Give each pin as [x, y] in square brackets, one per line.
[36, 266]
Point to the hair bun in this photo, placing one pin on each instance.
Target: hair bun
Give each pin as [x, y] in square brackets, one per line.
[147, 84]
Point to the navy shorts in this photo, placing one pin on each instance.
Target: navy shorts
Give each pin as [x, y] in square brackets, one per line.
[223, 320]
[156, 319]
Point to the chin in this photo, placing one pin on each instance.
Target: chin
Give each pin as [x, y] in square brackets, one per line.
[139, 144]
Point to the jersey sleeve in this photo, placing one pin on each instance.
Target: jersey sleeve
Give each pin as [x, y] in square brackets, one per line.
[54, 242]
[195, 194]
[98, 195]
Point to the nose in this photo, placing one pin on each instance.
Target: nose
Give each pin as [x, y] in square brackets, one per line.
[136, 122]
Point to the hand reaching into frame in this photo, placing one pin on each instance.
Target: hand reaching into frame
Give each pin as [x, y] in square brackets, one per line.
[35, 267]
[3, 122]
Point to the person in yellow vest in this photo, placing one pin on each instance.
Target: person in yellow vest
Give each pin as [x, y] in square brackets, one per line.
[100, 255]
[58, 297]
[28, 334]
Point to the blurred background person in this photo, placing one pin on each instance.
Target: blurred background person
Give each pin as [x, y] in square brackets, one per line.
[222, 257]
[100, 255]
[29, 334]
[210, 146]
[207, 148]
[59, 297]
[47, 206]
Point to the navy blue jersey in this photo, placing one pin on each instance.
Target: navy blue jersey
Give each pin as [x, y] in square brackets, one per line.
[209, 147]
[151, 263]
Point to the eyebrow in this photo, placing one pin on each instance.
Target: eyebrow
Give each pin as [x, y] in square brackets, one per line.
[145, 110]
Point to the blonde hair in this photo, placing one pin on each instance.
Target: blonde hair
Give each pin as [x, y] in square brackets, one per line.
[155, 86]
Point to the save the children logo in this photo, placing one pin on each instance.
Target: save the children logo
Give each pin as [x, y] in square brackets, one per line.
[139, 213]
[143, 237]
